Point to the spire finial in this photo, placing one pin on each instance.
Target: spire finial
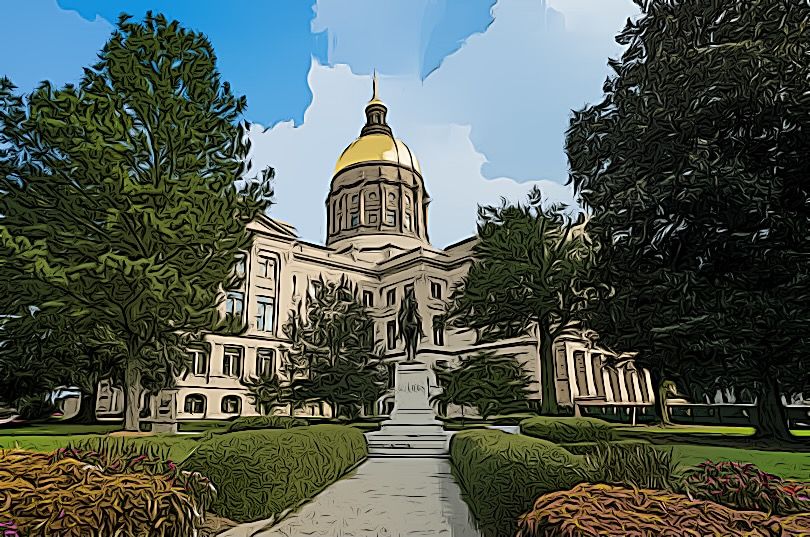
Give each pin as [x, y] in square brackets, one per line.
[374, 96]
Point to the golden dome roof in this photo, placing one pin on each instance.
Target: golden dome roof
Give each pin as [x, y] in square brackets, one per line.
[376, 148]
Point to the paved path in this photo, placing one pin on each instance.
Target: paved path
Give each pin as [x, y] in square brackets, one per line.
[382, 498]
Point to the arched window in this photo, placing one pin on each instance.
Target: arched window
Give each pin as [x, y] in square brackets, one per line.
[194, 404]
[372, 196]
[231, 404]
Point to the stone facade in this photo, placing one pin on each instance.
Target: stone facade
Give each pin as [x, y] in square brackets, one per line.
[377, 237]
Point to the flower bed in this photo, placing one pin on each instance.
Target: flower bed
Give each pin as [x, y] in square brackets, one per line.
[607, 510]
[44, 497]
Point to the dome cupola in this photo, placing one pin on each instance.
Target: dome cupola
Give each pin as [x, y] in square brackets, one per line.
[377, 191]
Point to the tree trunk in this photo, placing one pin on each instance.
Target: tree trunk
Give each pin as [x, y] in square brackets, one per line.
[548, 384]
[132, 397]
[660, 395]
[87, 406]
[771, 420]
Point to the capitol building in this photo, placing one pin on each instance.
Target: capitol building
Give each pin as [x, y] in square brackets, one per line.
[377, 237]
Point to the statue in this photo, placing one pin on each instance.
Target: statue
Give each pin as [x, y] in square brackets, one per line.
[410, 324]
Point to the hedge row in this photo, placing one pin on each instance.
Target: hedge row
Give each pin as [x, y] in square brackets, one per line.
[262, 474]
[503, 474]
[568, 430]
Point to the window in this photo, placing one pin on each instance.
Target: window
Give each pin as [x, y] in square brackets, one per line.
[372, 196]
[371, 218]
[436, 290]
[368, 299]
[391, 297]
[407, 200]
[438, 330]
[241, 265]
[408, 289]
[266, 362]
[231, 404]
[406, 222]
[194, 404]
[266, 266]
[390, 218]
[391, 332]
[232, 361]
[235, 303]
[392, 197]
[355, 198]
[199, 361]
[355, 219]
[264, 313]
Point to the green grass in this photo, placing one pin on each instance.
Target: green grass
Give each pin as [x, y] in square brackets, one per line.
[58, 429]
[41, 443]
[786, 464]
[687, 429]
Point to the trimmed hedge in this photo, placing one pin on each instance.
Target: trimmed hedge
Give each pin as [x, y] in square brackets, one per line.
[262, 473]
[503, 474]
[248, 423]
[587, 448]
[568, 430]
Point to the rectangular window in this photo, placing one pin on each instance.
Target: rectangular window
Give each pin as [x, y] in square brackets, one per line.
[241, 265]
[368, 299]
[199, 361]
[436, 290]
[235, 303]
[391, 333]
[408, 289]
[371, 218]
[438, 330]
[264, 314]
[355, 219]
[265, 362]
[391, 297]
[390, 218]
[232, 361]
[266, 266]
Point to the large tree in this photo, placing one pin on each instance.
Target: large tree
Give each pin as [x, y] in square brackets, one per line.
[333, 356]
[119, 196]
[525, 278]
[491, 383]
[694, 167]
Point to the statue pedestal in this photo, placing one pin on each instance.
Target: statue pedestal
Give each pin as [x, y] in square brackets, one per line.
[413, 430]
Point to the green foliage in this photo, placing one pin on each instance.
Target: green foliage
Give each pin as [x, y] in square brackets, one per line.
[586, 448]
[262, 474]
[745, 487]
[567, 429]
[264, 422]
[492, 384]
[268, 391]
[502, 474]
[695, 172]
[333, 356]
[525, 279]
[636, 465]
[121, 204]
[35, 406]
[164, 448]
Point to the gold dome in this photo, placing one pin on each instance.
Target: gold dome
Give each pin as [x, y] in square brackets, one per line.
[376, 148]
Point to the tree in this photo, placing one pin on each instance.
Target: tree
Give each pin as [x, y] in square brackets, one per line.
[332, 354]
[119, 197]
[492, 384]
[694, 167]
[410, 324]
[525, 278]
[268, 391]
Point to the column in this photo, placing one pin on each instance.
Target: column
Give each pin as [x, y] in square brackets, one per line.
[608, 388]
[622, 384]
[636, 386]
[572, 372]
[589, 373]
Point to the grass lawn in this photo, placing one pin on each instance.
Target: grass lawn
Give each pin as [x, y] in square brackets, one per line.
[786, 464]
[686, 429]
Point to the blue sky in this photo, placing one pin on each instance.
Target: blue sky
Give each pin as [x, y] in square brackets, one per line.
[480, 90]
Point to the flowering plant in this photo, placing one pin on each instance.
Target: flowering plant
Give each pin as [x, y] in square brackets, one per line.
[9, 529]
[744, 486]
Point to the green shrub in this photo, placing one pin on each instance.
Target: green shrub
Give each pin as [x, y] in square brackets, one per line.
[167, 448]
[744, 486]
[562, 430]
[633, 464]
[502, 475]
[584, 448]
[262, 473]
[248, 423]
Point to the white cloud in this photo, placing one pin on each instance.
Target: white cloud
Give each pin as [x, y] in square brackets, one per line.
[304, 156]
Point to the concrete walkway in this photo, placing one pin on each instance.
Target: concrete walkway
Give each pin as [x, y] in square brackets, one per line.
[382, 498]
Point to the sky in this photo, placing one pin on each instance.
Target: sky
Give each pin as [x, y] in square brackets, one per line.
[480, 90]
